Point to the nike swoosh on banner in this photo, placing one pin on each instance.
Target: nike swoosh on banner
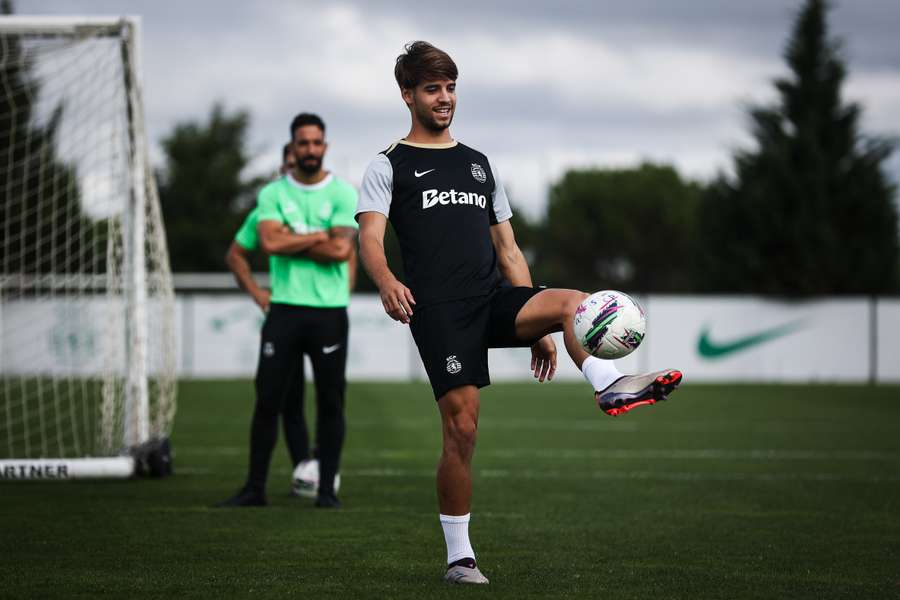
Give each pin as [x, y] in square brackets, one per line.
[330, 349]
[714, 350]
[417, 174]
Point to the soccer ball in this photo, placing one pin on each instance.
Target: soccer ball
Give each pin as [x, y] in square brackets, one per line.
[610, 324]
[305, 480]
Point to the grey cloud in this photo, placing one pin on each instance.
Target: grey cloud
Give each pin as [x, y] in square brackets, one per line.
[868, 27]
[199, 51]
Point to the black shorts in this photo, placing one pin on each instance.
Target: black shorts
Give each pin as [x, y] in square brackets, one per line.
[453, 337]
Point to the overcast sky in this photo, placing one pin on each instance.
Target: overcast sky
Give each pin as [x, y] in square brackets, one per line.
[542, 86]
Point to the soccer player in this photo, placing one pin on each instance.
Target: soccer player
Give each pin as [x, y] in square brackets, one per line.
[237, 258]
[469, 285]
[308, 309]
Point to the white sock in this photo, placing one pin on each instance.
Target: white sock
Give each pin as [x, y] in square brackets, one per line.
[599, 373]
[456, 534]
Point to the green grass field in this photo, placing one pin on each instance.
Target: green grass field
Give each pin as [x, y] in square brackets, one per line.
[724, 492]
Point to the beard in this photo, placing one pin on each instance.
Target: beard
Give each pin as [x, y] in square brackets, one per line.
[426, 117]
[310, 165]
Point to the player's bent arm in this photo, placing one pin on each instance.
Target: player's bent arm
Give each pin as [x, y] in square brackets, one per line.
[510, 260]
[337, 248]
[396, 297]
[273, 239]
[236, 259]
[371, 248]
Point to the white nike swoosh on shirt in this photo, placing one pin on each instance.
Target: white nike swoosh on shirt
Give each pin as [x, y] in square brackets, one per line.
[417, 174]
[330, 349]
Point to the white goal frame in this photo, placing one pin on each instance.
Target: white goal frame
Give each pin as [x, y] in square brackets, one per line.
[136, 410]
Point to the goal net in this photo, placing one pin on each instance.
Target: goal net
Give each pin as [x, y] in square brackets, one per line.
[87, 322]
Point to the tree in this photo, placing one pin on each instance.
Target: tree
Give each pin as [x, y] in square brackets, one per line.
[629, 229]
[39, 194]
[810, 210]
[203, 195]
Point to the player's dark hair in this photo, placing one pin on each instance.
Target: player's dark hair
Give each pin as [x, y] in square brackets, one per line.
[304, 119]
[423, 62]
[285, 151]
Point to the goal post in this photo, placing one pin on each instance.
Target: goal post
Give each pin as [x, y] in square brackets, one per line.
[87, 314]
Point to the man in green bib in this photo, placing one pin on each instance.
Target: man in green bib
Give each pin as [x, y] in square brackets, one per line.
[305, 480]
[306, 224]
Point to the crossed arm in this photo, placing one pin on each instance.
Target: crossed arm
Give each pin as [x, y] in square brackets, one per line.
[339, 246]
[335, 245]
[275, 238]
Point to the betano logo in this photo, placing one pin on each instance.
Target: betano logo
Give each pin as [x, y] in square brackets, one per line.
[433, 197]
[711, 350]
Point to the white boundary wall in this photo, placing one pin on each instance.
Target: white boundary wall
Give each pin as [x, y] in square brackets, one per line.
[887, 326]
[748, 339]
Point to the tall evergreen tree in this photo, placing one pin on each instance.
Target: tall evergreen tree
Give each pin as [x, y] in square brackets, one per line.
[810, 210]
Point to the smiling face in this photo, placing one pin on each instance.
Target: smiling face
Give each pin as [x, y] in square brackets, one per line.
[432, 103]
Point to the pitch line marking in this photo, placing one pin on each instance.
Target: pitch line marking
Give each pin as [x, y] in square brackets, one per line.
[531, 474]
[633, 475]
[599, 453]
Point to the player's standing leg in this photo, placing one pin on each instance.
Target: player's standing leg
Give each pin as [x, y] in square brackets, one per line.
[305, 480]
[293, 418]
[278, 354]
[459, 410]
[327, 349]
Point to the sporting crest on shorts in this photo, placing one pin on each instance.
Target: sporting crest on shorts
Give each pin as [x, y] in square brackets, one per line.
[478, 173]
[453, 365]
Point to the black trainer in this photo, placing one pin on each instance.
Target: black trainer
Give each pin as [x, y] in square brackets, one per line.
[326, 500]
[244, 497]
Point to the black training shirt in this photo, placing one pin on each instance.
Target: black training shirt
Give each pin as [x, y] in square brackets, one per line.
[441, 200]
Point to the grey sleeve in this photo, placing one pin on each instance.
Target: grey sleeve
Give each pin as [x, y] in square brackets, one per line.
[377, 187]
[502, 210]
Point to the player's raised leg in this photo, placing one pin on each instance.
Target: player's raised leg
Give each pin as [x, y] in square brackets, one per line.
[553, 310]
[459, 419]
